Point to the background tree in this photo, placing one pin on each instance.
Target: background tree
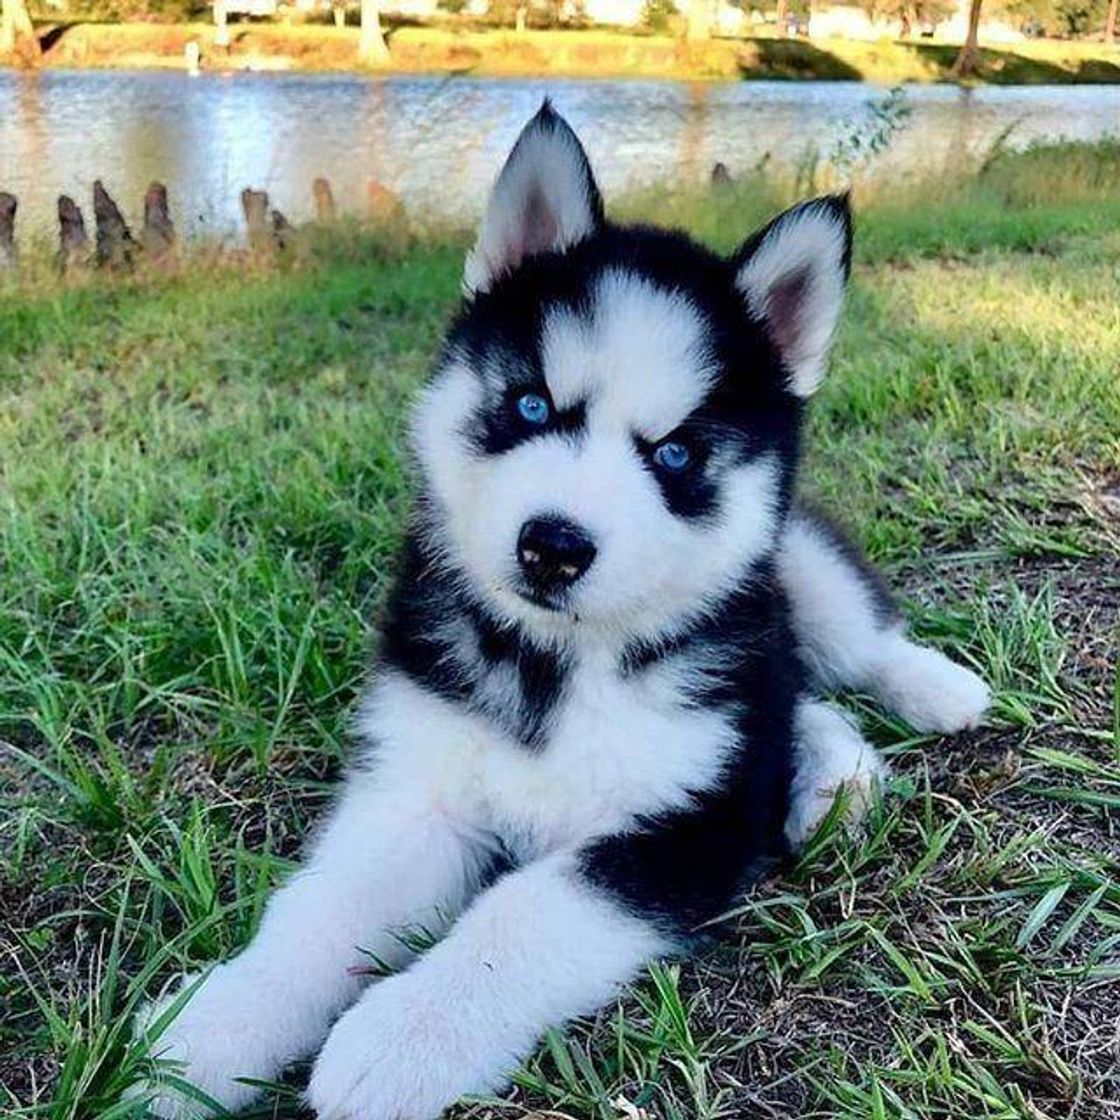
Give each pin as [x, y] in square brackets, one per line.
[371, 45]
[912, 15]
[1054, 17]
[17, 34]
[1110, 21]
[968, 61]
[659, 15]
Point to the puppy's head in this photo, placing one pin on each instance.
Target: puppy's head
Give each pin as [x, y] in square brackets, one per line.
[610, 437]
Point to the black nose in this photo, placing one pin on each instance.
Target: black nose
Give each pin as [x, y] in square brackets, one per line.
[553, 552]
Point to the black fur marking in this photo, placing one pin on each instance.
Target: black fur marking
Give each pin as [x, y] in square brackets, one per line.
[689, 493]
[499, 427]
[439, 636]
[682, 868]
[836, 207]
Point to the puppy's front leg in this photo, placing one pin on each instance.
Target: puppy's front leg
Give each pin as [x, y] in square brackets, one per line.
[539, 947]
[852, 636]
[386, 860]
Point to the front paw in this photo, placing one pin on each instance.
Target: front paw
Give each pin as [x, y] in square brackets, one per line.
[215, 1037]
[931, 692]
[398, 1055]
[832, 756]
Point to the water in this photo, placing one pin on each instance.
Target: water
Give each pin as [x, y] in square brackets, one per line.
[438, 142]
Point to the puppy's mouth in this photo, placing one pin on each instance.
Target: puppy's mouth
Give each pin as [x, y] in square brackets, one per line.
[547, 600]
[553, 601]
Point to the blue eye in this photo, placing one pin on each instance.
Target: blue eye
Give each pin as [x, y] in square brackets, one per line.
[533, 409]
[672, 456]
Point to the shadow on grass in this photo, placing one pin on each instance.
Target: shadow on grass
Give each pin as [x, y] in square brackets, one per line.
[52, 35]
[1008, 68]
[793, 59]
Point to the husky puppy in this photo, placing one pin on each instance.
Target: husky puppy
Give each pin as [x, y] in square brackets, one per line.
[594, 715]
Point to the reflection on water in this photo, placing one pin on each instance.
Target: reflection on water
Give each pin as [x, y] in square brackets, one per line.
[438, 142]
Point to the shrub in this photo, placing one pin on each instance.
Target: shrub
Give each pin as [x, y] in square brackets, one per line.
[658, 15]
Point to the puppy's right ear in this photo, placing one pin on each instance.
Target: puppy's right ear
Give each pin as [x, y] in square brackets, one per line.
[545, 200]
[793, 274]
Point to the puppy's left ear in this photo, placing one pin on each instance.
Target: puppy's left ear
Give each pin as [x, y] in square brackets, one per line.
[545, 200]
[793, 274]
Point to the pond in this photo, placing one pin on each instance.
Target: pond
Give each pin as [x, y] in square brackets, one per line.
[438, 142]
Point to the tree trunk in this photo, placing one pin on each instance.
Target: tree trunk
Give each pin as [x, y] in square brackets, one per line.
[372, 48]
[17, 34]
[782, 16]
[1110, 22]
[699, 25]
[221, 25]
[968, 61]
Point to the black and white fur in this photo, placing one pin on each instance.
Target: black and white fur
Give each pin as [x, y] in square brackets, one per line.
[580, 743]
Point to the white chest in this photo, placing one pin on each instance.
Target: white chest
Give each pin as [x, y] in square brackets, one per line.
[616, 748]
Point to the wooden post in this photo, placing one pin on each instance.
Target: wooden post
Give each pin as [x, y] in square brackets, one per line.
[386, 211]
[283, 232]
[324, 200]
[73, 242]
[158, 236]
[254, 205]
[8, 207]
[115, 246]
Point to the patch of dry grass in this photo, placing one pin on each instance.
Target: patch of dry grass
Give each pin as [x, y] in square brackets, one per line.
[575, 53]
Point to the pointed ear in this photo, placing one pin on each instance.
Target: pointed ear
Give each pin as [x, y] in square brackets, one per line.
[793, 274]
[544, 200]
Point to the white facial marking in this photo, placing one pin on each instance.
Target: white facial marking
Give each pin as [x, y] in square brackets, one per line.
[642, 357]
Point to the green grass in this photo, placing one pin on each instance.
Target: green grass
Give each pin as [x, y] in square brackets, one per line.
[201, 492]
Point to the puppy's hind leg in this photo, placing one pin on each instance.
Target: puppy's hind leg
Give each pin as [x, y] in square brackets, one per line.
[830, 755]
[851, 635]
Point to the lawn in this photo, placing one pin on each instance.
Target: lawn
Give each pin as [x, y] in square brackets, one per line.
[201, 492]
[588, 53]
